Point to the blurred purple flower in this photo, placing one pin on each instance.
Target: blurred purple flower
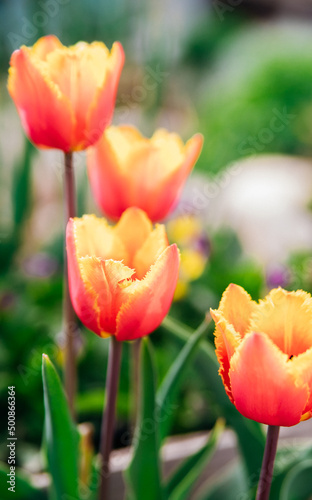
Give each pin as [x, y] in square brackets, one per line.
[7, 300]
[40, 265]
[203, 245]
[277, 275]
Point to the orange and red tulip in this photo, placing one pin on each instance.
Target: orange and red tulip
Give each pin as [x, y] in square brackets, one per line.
[65, 96]
[121, 278]
[126, 169]
[265, 354]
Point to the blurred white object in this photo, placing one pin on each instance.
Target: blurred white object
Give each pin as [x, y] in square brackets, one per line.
[264, 199]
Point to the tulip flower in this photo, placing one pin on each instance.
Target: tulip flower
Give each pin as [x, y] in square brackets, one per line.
[265, 354]
[65, 96]
[122, 278]
[126, 169]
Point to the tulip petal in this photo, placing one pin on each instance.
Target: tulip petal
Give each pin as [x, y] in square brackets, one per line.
[147, 173]
[79, 71]
[133, 229]
[102, 107]
[105, 173]
[88, 236]
[237, 307]
[232, 320]
[82, 300]
[165, 196]
[263, 387]
[170, 148]
[128, 163]
[93, 236]
[143, 171]
[157, 170]
[300, 366]
[286, 317]
[149, 252]
[146, 302]
[45, 45]
[31, 90]
[102, 280]
[226, 341]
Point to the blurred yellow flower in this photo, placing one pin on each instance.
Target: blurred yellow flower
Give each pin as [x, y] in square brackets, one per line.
[188, 232]
[185, 229]
[193, 264]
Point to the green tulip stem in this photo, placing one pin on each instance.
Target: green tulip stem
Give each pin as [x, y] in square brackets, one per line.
[108, 421]
[69, 317]
[266, 474]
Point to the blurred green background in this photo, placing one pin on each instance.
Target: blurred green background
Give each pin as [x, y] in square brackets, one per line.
[227, 72]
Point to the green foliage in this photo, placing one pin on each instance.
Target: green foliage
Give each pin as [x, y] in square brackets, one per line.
[258, 104]
[21, 185]
[61, 435]
[291, 478]
[229, 264]
[21, 200]
[228, 484]
[167, 392]
[297, 483]
[287, 473]
[204, 43]
[143, 475]
[299, 270]
[183, 479]
[28, 328]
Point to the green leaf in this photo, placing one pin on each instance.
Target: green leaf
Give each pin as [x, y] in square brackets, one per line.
[251, 438]
[143, 474]
[297, 484]
[61, 435]
[171, 383]
[230, 484]
[184, 478]
[21, 204]
[287, 457]
[90, 401]
[21, 185]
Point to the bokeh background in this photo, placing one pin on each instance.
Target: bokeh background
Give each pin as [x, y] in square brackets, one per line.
[239, 72]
